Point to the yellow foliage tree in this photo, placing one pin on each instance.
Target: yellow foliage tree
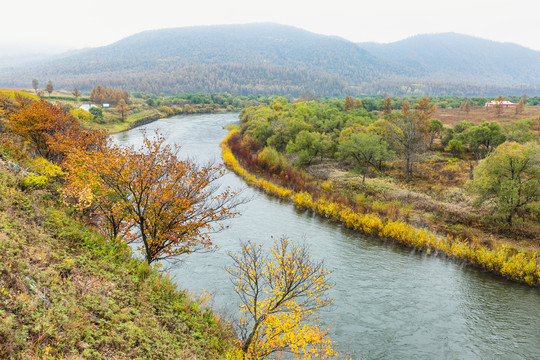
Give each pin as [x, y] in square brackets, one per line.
[280, 292]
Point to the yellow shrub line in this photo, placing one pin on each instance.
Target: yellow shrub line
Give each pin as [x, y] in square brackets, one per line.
[523, 267]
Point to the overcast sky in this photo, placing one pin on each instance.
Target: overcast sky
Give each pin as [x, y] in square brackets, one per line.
[77, 24]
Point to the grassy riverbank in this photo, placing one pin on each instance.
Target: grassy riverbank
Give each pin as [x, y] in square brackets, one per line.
[522, 266]
[66, 292]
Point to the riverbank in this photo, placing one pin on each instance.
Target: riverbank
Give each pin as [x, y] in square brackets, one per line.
[65, 291]
[520, 266]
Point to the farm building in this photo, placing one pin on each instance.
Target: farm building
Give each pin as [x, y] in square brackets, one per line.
[505, 104]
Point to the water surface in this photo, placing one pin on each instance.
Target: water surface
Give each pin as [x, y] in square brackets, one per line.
[390, 302]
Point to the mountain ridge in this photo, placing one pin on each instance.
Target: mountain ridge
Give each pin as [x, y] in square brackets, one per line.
[273, 58]
[462, 56]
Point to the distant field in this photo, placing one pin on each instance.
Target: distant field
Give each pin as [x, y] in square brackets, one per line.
[10, 93]
[451, 117]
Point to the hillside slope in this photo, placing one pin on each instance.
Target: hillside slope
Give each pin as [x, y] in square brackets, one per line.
[65, 292]
[451, 57]
[245, 59]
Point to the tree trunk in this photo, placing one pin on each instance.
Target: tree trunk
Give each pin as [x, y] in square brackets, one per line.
[249, 340]
[408, 170]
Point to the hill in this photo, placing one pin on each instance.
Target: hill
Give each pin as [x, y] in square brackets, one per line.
[456, 57]
[66, 292]
[244, 59]
[277, 59]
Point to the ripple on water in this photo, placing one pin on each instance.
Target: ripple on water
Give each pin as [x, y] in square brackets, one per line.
[390, 302]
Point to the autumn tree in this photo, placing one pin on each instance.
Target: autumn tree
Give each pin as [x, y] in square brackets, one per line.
[511, 177]
[276, 105]
[408, 135]
[35, 84]
[97, 95]
[76, 94]
[467, 107]
[520, 107]
[358, 104]
[499, 106]
[424, 108]
[49, 88]
[387, 106]
[49, 130]
[126, 97]
[348, 104]
[405, 108]
[101, 95]
[122, 108]
[172, 205]
[280, 293]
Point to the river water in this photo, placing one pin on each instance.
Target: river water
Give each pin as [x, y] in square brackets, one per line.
[389, 302]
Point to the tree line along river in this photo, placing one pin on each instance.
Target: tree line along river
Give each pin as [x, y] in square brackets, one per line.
[389, 302]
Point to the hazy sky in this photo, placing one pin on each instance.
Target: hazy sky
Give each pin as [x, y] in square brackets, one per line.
[77, 24]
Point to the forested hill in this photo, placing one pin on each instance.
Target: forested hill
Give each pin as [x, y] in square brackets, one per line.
[271, 58]
[457, 57]
[252, 58]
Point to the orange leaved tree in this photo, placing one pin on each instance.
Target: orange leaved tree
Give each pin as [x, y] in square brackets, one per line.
[169, 206]
[280, 292]
[50, 130]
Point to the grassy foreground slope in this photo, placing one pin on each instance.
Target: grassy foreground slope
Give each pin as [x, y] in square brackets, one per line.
[66, 292]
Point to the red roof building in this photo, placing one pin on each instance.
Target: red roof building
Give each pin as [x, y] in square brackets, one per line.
[505, 104]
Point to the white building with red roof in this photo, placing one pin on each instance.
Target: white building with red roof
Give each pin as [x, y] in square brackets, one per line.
[504, 103]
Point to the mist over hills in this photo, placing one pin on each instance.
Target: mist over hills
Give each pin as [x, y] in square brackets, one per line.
[271, 58]
[451, 57]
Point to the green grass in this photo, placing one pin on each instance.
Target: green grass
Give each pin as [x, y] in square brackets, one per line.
[113, 122]
[66, 292]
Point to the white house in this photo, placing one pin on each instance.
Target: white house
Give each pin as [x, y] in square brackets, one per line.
[504, 103]
[86, 107]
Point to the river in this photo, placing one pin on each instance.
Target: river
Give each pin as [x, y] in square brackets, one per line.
[389, 302]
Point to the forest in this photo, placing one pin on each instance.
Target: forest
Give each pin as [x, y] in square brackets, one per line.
[475, 181]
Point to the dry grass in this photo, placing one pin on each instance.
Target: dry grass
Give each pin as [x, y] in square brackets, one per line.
[450, 117]
[435, 198]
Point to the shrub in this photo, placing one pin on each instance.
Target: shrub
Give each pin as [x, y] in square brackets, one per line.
[270, 159]
[32, 181]
[82, 115]
[455, 147]
[166, 110]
